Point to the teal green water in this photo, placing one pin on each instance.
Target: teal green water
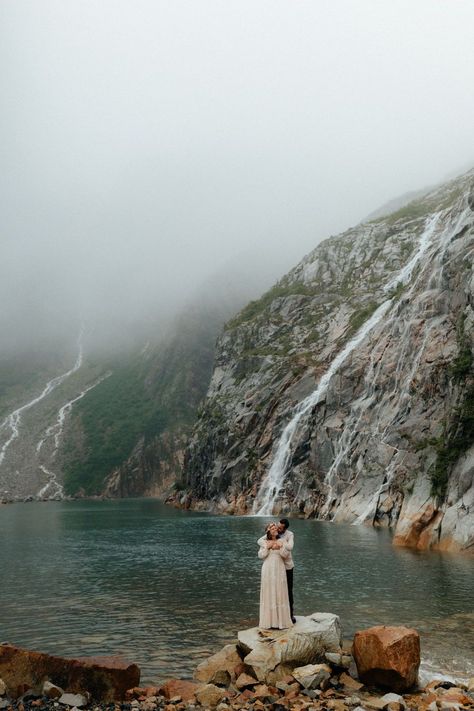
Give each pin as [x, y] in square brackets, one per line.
[167, 587]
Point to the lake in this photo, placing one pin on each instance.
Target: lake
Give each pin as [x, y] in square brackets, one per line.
[166, 587]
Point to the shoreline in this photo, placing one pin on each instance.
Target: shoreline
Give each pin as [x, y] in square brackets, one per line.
[238, 678]
[202, 506]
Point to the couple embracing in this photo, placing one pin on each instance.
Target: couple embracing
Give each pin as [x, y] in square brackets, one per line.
[276, 588]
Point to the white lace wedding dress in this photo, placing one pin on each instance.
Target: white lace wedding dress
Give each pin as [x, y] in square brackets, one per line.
[274, 604]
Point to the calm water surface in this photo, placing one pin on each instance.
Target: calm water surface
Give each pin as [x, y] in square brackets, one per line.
[167, 587]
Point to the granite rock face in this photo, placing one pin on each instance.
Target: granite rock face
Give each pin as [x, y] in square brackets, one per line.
[389, 439]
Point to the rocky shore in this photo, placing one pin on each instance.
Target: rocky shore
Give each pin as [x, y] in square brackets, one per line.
[306, 668]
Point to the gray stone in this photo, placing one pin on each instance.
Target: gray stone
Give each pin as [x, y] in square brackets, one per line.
[394, 698]
[334, 658]
[77, 700]
[51, 690]
[312, 676]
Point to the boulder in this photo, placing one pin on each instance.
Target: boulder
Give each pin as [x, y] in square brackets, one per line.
[226, 659]
[388, 657]
[210, 695]
[179, 687]
[273, 654]
[105, 678]
[312, 676]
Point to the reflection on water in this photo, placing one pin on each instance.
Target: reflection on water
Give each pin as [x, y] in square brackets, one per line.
[167, 587]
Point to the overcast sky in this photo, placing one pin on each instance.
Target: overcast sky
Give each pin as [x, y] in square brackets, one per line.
[147, 144]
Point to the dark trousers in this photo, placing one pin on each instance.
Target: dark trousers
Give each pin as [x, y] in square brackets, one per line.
[289, 582]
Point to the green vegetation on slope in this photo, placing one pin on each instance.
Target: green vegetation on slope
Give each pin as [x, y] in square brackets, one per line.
[257, 307]
[450, 447]
[142, 398]
[459, 436]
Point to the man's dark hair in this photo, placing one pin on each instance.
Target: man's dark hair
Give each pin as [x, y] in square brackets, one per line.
[285, 522]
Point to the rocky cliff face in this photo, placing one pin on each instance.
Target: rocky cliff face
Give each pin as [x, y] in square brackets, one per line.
[347, 391]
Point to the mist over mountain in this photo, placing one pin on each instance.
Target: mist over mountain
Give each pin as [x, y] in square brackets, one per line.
[146, 146]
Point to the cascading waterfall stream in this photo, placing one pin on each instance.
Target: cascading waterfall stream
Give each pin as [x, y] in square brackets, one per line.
[273, 481]
[13, 420]
[52, 482]
[55, 431]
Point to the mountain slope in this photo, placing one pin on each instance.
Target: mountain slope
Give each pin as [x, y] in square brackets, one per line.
[82, 420]
[346, 391]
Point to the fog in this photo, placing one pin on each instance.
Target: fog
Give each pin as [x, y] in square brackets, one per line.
[149, 145]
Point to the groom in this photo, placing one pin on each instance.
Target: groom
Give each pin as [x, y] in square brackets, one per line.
[287, 539]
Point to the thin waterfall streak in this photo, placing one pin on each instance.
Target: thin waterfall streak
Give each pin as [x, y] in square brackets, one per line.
[361, 404]
[403, 398]
[405, 274]
[52, 481]
[56, 429]
[13, 420]
[274, 479]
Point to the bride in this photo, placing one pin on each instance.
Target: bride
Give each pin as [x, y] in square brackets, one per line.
[274, 603]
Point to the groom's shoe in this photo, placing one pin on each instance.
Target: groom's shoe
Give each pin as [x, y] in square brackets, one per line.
[293, 619]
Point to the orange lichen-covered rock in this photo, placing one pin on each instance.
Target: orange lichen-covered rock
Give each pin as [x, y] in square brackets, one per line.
[180, 687]
[388, 656]
[105, 678]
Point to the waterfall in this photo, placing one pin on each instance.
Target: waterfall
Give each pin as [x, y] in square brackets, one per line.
[408, 362]
[273, 481]
[56, 429]
[52, 481]
[13, 420]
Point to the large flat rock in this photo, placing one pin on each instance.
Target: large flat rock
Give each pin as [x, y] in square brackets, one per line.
[275, 653]
[105, 678]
